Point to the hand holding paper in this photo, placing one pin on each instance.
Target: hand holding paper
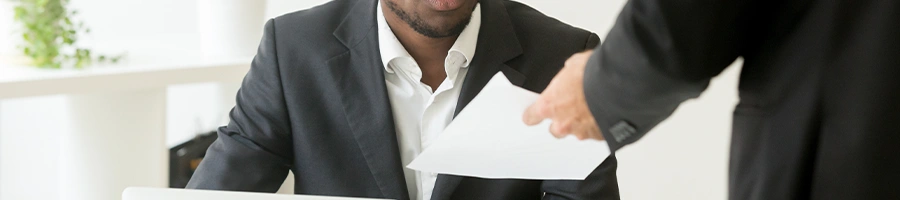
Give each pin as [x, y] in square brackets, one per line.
[489, 140]
[563, 101]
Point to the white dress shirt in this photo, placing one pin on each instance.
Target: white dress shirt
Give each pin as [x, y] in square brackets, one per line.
[420, 114]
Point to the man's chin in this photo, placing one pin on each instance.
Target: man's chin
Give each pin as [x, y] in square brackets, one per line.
[437, 35]
[436, 27]
[432, 32]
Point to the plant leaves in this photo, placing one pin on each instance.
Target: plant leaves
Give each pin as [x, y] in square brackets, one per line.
[48, 28]
[20, 13]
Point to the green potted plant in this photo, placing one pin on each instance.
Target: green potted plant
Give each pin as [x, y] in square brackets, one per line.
[49, 35]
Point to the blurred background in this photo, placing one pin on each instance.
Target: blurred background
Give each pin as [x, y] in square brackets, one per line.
[86, 133]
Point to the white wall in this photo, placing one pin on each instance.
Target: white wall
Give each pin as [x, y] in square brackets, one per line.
[29, 171]
[30, 128]
[684, 158]
[7, 47]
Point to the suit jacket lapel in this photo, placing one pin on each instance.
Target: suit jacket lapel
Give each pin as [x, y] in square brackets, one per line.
[497, 44]
[365, 98]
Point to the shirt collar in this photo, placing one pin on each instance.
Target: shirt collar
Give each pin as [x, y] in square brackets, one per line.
[391, 48]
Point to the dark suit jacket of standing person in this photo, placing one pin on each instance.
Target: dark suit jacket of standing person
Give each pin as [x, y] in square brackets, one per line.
[315, 102]
[819, 111]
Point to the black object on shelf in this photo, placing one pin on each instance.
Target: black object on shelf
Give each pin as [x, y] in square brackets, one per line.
[185, 157]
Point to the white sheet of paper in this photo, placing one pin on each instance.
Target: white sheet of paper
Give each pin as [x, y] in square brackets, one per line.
[489, 140]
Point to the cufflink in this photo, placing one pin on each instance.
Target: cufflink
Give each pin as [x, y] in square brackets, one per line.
[622, 131]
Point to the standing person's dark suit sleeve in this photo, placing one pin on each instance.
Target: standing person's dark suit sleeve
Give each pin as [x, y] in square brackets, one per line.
[601, 184]
[659, 54]
[253, 152]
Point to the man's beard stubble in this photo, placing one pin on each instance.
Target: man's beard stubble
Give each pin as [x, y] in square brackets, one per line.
[419, 25]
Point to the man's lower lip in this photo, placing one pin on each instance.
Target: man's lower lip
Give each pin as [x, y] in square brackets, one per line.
[445, 5]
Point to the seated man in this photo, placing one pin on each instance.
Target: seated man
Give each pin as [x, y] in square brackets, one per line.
[347, 93]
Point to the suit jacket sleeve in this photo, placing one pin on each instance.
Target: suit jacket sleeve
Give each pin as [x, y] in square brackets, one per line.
[252, 152]
[601, 184]
[659, 54]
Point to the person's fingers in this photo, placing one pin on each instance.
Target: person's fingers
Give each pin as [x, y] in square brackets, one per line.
[536, 113]
[580, 135]
[556, 131]
[532, 116]
[579, 131]
[562, 128]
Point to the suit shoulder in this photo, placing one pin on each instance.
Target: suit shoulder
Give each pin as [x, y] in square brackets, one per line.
[314, 23]
[534, 27]
[310, 32]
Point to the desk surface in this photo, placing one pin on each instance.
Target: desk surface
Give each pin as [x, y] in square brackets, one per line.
[25, 81]
[139, 193]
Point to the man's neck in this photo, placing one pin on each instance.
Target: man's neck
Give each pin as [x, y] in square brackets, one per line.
[422, 48]
[429, 53]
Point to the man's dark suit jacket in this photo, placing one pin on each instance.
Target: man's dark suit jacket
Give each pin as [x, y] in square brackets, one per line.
[819, 111]
[315, 102]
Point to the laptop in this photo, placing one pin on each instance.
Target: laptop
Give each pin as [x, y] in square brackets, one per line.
[141, 193]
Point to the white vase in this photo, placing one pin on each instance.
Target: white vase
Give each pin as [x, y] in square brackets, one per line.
[230, 28]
